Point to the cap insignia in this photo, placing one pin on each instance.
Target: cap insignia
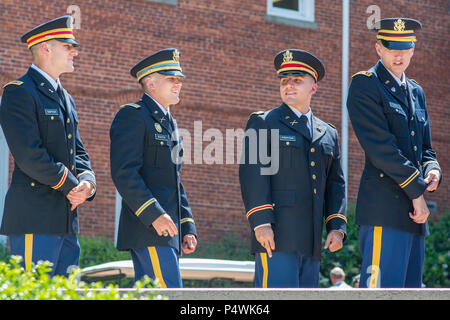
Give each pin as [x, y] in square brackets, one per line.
[399, 25]
[287, 56]
[176, 55]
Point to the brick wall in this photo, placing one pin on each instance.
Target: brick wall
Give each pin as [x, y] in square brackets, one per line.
[227, 50]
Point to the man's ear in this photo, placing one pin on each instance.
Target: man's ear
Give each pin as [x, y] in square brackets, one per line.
[314, 88]
[378, 49]
[149, 83]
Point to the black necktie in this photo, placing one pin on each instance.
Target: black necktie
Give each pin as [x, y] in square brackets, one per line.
[172, 125]
[61, 95]
[304, 122]
[404, 89]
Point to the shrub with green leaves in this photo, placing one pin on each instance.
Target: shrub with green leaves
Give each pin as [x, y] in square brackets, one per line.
[99, 250]
[16, 283]
[437, 253]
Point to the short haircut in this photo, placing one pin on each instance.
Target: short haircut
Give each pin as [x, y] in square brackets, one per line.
[337, 273]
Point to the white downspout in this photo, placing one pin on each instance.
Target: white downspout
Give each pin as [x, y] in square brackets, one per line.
[344, 89]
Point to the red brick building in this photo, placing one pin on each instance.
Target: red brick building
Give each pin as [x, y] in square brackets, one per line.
[227, 50]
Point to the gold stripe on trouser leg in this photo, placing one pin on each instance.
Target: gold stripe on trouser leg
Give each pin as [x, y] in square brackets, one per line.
[263, 256]
[376, 252]
[156, 267]
[28, 251]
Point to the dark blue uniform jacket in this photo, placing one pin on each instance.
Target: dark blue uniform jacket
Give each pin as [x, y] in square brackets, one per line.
[393, 129]
[147, 176]
[308, 188]
[49, 157]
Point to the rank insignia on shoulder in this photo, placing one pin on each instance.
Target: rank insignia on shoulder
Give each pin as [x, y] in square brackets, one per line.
[257, 112]
[331, 125]
[134, 105]
[365, 73]
[414, 81]
[16, 82]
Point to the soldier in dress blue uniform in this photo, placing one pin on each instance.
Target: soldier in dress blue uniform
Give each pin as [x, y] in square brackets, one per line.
[390, 119]
[52, 172]
[156, 223]
[287, 205]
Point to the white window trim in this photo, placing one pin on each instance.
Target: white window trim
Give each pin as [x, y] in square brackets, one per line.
[304, 18]
[169, 2]
[306, 11]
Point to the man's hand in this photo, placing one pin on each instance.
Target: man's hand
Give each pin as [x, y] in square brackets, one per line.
[334, 241]
[264, 235]
[421, 211]
[432, 180]
[79, 194]
[164, 226]
[189, 243]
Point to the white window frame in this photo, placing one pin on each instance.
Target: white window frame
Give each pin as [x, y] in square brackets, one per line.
[305, 17]
[4, 175]
[169, 2]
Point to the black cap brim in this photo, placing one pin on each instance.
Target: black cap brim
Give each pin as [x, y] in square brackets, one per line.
[172, 73]
[71, 41]
[398, 45]
[294, 74]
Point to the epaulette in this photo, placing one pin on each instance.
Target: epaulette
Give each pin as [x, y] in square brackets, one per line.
[257, 112]
[16, 82]
[331, 125]
[134, 105]
[365, 73]
[413, 81]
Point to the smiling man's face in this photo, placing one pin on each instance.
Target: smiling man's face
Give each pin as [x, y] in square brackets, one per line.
[296, 91]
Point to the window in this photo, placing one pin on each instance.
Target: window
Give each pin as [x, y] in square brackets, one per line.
[169, 2]
[292, 12]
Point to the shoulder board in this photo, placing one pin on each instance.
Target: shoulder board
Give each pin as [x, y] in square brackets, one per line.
[16, 82]
[134, 105]
[257, 112]
[413, 81]
[331, 125]
[365, 73]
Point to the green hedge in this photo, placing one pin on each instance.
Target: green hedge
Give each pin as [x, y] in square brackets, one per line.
[437, 254]
[235, 247]
[36, 284]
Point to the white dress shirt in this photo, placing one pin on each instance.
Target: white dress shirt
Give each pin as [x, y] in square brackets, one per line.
[52, 81]
[159, 105]
[308, 115]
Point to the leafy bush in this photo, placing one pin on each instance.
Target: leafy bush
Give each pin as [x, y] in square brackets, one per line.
[235, 247]
[99, 250]
[36, 284]
[437, 253]
[348, 258]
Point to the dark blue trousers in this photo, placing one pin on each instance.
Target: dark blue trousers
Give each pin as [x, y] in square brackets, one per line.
[159, 263]
[286, 270]
[391, 258]
[63, 251]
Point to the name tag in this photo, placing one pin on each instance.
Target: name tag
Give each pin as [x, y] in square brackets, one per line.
[394, 105]
[51, 112]
[163, 137]
[287, 138]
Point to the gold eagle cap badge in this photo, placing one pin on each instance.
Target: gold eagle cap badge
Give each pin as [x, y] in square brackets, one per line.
[176, 55]
[399, 25]
[287, 56]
